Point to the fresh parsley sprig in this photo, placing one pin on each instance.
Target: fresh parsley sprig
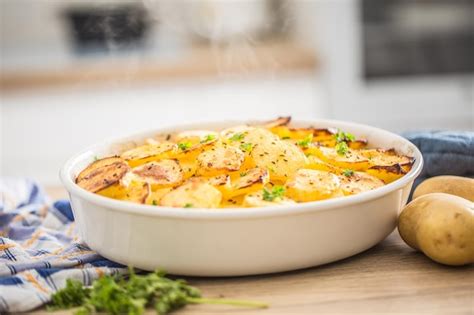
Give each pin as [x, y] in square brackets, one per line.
[271, 195]
[114, 295]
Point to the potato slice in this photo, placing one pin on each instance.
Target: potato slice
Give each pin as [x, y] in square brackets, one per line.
[356, 144]
[135, 192]
[219, 160]
[248, 181]
[382, 157]
[164, 173]
[310, 185]
[194, 194]
[281, 158]
[102, 174]
[156, 195]
[316, 163]
[387, 173]
[350, 160]
[356, 182]
[256, 200]
[235, 133]
[148, 152]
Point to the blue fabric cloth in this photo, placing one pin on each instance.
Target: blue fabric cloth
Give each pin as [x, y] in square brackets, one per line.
[445, 153]
[40, 248]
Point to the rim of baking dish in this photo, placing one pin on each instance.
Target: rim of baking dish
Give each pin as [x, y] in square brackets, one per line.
[66, 177]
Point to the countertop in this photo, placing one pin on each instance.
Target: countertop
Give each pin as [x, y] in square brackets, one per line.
[388, 278]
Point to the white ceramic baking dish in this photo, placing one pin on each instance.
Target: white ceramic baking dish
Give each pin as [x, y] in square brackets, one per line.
[240, 241]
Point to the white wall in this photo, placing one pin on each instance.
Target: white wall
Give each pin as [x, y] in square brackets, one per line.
[40, 130]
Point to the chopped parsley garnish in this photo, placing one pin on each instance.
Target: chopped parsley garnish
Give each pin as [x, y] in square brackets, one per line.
[342, 136]
[243, 174]
[184, 145]
[208, 138]
[348, 173]
[276, 192]
[247, 147]
[118, 295]
[154, 202]
[342, 148]
[237, 136]
[306, 141]
[285, 138]
[188, 205]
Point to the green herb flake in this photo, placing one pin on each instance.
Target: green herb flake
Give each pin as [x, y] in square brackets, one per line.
[271, 195]
[154, 202]
[247, 147]
[342, 136]
[285, 138]
[184, 145]
[306, 141]
[342, 148]
[115, 295]
[208, 138]
[243, 174]
[238, 136]
[188, 205]
[348, 173]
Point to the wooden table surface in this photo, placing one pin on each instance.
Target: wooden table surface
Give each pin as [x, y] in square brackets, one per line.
[388, 278]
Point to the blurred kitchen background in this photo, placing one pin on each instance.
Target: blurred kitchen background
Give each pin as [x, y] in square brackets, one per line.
[74, 72]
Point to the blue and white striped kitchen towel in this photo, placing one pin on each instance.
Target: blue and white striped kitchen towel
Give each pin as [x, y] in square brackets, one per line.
[39, 248]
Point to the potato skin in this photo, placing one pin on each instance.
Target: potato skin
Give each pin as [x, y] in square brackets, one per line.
[441, 226]
[453, 185]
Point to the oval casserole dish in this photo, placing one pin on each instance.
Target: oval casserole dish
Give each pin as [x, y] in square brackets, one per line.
[239, 241]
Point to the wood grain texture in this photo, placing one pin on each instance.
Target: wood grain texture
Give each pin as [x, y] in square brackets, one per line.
[389, 278]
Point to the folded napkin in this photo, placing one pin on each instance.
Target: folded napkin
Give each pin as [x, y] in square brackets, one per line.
[39, 248]
[444, 153]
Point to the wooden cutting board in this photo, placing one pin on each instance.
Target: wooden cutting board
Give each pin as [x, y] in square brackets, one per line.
[389, 278]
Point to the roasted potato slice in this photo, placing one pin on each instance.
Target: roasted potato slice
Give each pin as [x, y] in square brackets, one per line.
[148, 152]
[135, 192]
[382, 157]
[248, 181]
[316, 163]
[356, 182]
[310, 185]
[387, 173]
[219, 160]
[279, 157]
[356, 144]
[194, 194]
[351, 159]
[102, 174]
[164, 173]
[256, 200]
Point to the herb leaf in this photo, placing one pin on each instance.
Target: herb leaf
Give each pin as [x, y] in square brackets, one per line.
[208, 138]
[342, 148]
[188, 205]
[276, 192]
[348, 173]
[342, 136]
[306, 141]
[184, 145]
[237, 136]
[247, 147]
[118, 296]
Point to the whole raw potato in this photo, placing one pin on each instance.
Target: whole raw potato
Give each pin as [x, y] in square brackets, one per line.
[453, 185]
[441, 226]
